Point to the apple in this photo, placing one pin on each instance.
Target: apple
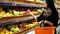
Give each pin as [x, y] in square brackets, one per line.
[13, 28]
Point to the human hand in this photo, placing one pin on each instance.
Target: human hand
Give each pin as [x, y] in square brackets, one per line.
[48, 23]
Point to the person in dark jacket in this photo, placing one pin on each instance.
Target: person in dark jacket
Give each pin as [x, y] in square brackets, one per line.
[51, 15]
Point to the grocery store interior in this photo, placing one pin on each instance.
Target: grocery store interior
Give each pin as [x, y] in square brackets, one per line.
[24, 17]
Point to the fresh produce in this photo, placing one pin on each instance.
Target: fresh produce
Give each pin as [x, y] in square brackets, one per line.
[8, 14]
[13, 28]
[4, 14]
[22, 26]
[21, 13]
[27, 12]
[38, 1]
[1, 28]
[40, 10]
[30, 0]
[5, 31]
[13, 12]
[27, 24]
[35, 12]
[30, 25]
[17, 27]
[16, 13]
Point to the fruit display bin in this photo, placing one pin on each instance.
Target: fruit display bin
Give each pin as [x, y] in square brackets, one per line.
[27, 29]
[22, 27]
[44, 30]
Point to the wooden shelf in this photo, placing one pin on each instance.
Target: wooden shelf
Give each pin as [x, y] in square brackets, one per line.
[11, 20]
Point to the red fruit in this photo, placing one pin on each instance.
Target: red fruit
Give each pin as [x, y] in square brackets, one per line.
[22, 26]
[27, 12]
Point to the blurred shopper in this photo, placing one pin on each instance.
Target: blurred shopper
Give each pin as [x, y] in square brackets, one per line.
[50, 15]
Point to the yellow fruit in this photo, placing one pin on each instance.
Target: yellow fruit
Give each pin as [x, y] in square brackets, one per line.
[2, 13]
[6, 33]
[10, 32]
[27, 26]
[11, 14]
[2, 33]
[30, 25]
[7, 13]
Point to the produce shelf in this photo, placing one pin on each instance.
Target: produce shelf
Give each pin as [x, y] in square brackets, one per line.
[11, 20]
[22, 4]
[25, 31]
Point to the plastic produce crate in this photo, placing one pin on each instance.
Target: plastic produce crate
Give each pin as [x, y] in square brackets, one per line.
[44, 30]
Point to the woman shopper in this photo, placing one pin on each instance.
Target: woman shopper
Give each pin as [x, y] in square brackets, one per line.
[50, 16]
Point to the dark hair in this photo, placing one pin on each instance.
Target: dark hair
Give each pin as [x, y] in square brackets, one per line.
[50, 4]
